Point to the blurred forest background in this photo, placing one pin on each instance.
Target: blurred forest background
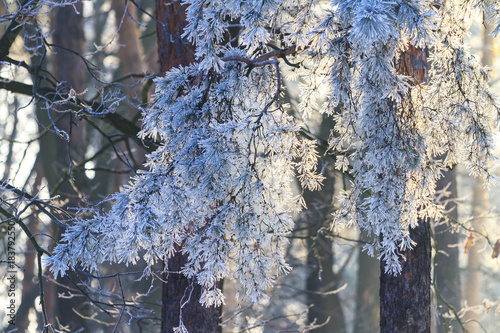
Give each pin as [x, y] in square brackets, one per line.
[109, 54]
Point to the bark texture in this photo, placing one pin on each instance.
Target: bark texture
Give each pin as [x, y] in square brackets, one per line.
[473, 275]
[172, 49]
[181, 295]
[181, 301]
[405, 299]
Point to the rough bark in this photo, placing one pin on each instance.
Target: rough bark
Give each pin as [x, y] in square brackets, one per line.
[179, 290]
[180, 299]
[405, 299]
[447, 271]
[172, 50]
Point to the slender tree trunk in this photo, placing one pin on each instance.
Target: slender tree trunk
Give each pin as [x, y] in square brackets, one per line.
[447, 272]
[7, 162]
[327, 309]
[405, 300]
[367, 316]
[69, 69]
[473, 275]
[53, 156]
[131, 57]
[130, 52]
[480, 206]
[29, 289]
[181, 295]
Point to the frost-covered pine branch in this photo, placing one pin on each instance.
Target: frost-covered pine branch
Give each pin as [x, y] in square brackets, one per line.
[219, 188]
[396, 127]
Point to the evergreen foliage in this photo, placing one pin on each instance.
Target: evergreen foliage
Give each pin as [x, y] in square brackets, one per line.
[218, 189]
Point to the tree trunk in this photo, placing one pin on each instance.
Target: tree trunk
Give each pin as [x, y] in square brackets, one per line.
[367, 316]
[131, 57]
[180, 301]
[69, 69]
[181, 295]
[473, 275]
[447, 272]
[130, 52]
[327, 309]
[172, 50]
[480, 206]
[405, 300]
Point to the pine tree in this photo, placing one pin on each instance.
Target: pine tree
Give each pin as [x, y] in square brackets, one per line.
[408, 102]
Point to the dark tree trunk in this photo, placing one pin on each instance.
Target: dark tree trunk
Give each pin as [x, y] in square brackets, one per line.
[69, 69]
[172, 49]
[405, 299]
[178, 290]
